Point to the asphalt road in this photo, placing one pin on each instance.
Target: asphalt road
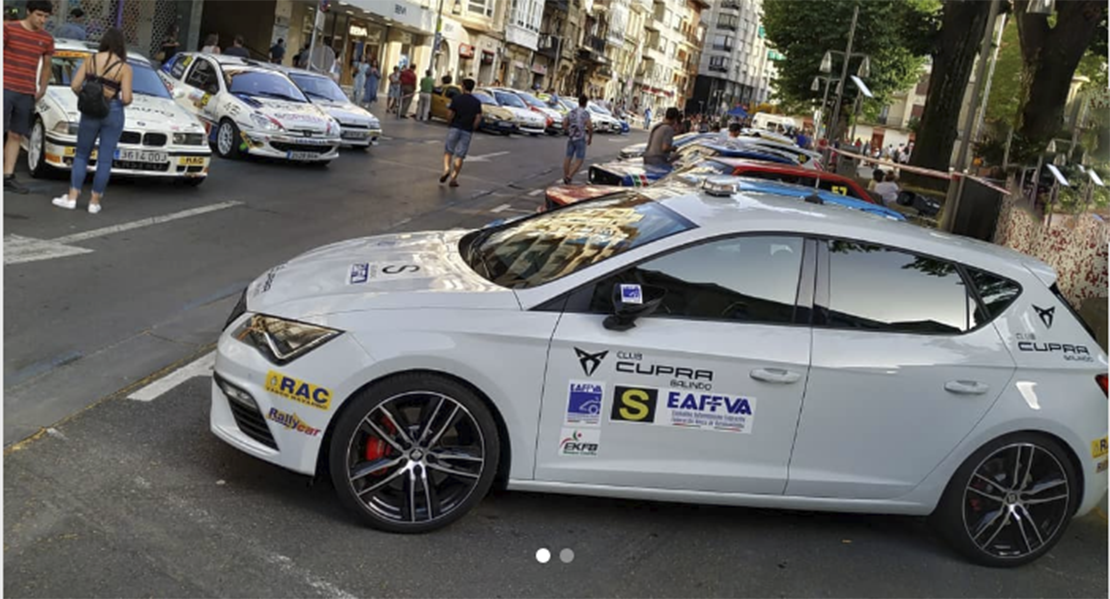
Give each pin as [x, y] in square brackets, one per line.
[137, 498]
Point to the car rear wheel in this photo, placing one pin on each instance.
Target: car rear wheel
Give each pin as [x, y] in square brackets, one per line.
[414, 453]
[227, 140]
[1010, 502]
[36, 152]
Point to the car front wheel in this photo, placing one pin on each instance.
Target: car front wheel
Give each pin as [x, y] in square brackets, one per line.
[227, 140]
[36, 151]
[414, 453]
[1010, 502]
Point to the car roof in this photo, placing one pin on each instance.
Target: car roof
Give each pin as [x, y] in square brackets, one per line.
[763, 212]
[68, 45]
[236, 61]
[778, 167]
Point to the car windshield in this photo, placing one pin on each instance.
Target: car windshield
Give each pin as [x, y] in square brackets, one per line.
[65, 63]
[599, 109]
[484, 99]
[265, 84]
[507, 99]
[568, 104]
[320, 88]
[542, 248]
[531, 100]
[696, 173]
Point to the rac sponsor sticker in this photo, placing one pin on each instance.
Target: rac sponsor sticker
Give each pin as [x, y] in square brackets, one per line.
[298, 390]
[584, 400]
[1098, 448]
[579, 442]
[292, 422]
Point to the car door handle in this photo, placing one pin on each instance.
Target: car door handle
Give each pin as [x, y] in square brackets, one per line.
[966, 387]
[775, 375]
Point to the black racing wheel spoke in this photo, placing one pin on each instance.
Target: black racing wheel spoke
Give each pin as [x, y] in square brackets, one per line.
[364, 469]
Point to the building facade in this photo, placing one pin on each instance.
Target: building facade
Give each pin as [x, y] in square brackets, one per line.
[736, 66]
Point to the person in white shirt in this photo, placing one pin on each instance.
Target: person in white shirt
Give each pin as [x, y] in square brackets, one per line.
[887, 187]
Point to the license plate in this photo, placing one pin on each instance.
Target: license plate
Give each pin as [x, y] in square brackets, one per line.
[129, 155]
[301, 155]
[356, 134]
[192, 161]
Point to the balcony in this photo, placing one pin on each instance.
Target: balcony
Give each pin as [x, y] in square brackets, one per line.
[726, 26]
[548, 46]
[560, 5]
[730, 5]
[718, 68]
[595, 43]
[723, 47]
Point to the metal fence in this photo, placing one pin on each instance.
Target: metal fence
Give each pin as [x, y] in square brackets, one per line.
[144, 23]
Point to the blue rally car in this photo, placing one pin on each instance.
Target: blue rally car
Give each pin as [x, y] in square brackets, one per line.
[634, 173]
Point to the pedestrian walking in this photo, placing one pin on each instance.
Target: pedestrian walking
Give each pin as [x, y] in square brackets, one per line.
[424, 107]
[373, 82]
[300, 59]
[211, 44]
[647, 118]
[170, 45]
[359, 88]
[660, 143]
[26, 42]
[408, 89]
[103, 88]
[394, 90]
[75, 28]
[237, 48]
[464, 114]
[277, 51]
[580, 131]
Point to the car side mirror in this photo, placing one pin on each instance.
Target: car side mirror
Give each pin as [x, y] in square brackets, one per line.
[631, 302]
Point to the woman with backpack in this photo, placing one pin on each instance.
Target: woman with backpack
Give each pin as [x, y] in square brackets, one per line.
[103, 88]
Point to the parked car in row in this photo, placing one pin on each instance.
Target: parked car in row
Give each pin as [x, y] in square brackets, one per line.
[359, 128]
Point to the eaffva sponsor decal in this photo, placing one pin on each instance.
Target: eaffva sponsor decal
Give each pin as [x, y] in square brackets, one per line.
[711, 411]
[298, 390]
[292, 422]
[579, 442]
[584, 399]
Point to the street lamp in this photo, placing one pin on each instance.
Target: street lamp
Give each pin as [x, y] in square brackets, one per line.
[826, 66]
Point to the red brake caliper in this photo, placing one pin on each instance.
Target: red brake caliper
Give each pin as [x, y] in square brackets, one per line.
[377, 448]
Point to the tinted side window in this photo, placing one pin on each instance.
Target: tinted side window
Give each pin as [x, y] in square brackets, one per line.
[879, 289]
[745, 279]
[202, 75]
[996, 292]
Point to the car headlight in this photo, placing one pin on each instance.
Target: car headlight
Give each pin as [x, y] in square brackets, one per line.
[266, 123]
[66, 128]
[188, 139]
[333, 127]
[375, 124]
[280, 340]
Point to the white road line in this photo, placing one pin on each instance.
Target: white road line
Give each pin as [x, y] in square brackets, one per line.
[19, 249]
[484, 157]
[199, 367]
[535, 192]
[146, 222]
[501, 208]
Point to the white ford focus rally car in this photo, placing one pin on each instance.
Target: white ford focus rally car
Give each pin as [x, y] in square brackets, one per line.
[250, 108]
[160, 139]
[667, 344]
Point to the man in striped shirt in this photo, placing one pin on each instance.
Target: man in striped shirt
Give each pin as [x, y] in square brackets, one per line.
[26, 42]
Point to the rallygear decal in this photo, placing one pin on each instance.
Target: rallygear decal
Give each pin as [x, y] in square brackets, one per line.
[298, 390]
[266, 284]
[590, 362]
[662, 407]
[579, 442]
[584, 402]
[1098, 448]
[292, 422]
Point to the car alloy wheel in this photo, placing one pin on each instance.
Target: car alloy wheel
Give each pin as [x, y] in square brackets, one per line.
[36, 150]
[227, 138]
[418, 459]
[1010, 502]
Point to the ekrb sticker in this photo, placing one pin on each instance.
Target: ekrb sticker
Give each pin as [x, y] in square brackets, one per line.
[298, 390]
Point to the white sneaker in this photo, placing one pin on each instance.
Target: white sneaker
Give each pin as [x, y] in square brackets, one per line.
[63, 201]
[94, 208]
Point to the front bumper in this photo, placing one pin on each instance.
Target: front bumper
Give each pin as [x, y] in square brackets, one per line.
[190, 162]
[498, 126]
[279, 430]
[533, 129]
[359, 136]
[292, 148]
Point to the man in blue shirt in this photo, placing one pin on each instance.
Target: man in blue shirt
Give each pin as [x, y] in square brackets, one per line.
[75, 28]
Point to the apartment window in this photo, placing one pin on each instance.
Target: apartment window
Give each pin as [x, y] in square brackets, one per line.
[480, 7]
[723, 42]
[728, 22]
[718, 63]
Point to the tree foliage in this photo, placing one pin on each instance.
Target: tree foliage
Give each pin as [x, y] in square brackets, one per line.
[895, 34]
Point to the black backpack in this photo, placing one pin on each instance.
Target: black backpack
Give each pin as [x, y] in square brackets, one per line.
[91, 100]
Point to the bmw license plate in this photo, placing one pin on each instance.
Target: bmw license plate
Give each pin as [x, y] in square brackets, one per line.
[129, 155]
[301, 155]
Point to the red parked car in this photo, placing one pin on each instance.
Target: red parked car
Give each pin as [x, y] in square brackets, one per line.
[561, 195]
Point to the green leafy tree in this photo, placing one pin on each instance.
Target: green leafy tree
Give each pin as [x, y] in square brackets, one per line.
[895, 34]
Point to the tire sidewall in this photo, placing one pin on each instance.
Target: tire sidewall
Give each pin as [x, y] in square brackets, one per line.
[948, 518]
[233, 152]
[369, 399]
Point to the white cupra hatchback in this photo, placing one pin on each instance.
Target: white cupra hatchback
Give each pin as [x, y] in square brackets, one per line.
[678, 344]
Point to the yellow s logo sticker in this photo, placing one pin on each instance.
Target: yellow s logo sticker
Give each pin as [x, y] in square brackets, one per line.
[634, 404]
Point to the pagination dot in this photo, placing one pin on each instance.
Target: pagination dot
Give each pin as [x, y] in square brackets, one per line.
[567, 555]
[543, 555]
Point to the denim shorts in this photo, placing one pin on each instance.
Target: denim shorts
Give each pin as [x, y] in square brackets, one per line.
[458, 142]
[576, 148]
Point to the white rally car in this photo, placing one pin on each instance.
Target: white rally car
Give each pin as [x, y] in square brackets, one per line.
[673, 344]
[250, 108]
[603, 120]
[360, 128]
[160, 139]
[528, 121]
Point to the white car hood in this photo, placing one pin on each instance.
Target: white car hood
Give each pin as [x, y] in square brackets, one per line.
[347, 113]
[291, 115]
[526, 116]
[403, 271]
[145, 113]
